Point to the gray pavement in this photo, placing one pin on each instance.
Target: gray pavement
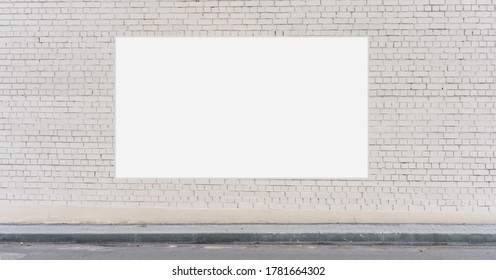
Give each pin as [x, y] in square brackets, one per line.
[161, 251]
[342, 234]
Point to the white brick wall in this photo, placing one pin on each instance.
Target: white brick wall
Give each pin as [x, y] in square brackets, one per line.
[432, 119]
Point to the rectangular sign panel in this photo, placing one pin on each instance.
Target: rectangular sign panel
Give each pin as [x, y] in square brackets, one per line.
[292, 107]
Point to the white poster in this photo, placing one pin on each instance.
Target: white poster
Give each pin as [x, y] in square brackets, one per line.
[264, 107]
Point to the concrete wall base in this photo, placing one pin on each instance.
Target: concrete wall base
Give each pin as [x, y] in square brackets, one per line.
[114, 215]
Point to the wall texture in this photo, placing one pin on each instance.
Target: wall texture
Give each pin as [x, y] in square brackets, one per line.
[432, 105]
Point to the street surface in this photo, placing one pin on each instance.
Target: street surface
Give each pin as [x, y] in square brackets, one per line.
[160, 251]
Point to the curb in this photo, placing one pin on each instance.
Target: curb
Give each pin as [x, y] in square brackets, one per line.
[259, 238]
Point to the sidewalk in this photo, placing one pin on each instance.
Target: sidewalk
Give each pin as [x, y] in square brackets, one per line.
[363, 234]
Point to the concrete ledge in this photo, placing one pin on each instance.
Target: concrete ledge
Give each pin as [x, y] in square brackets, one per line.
[115, 215]
[398, 234]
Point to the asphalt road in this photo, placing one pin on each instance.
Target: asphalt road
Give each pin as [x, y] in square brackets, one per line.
[155, 251]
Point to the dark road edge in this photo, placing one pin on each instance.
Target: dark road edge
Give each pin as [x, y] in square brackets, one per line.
[260, 238]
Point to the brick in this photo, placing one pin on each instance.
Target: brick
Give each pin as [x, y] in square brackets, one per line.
[431, 118]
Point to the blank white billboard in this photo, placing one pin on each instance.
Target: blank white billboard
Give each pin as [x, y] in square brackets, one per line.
[292, 107]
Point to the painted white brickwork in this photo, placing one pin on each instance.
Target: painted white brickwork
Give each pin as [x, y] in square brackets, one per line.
[432, 103]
